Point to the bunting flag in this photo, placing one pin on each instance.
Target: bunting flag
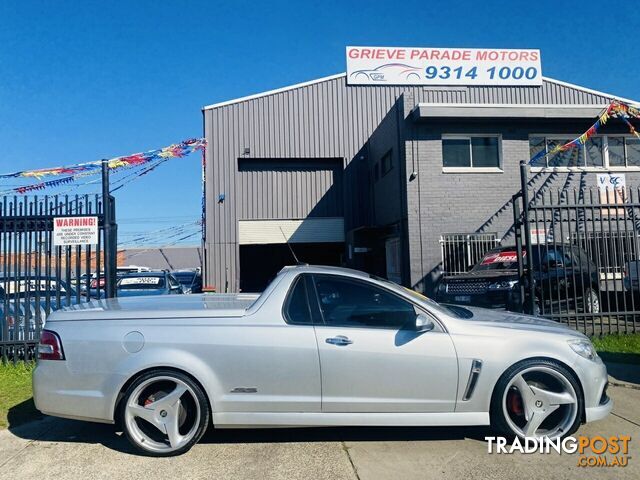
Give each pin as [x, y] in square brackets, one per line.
[148, 161]
[615, 109]
[172, 151]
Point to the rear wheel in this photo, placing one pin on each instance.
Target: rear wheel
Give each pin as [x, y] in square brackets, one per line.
[537, 398]
[164, 413]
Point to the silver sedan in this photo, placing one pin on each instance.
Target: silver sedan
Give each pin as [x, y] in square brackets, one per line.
[320, 346]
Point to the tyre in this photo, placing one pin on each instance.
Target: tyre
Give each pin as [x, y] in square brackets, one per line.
[591, 301]
[164, 413]
[537, 398]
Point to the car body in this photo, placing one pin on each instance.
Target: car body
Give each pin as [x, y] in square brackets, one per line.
[321, 346]
[148, 284]
[563, 274]
[191, 280]
[631, 278]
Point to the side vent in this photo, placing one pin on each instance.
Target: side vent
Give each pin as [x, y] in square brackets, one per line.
[476, 367]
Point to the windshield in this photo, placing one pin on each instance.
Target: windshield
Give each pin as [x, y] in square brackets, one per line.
[141, 283]
[431, 304]
[185, 278]
[499, 260]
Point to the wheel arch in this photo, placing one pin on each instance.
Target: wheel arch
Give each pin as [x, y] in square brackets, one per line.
[117, 411]
[576, 377]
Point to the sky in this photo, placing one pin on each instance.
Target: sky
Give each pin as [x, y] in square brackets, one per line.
[87, 80]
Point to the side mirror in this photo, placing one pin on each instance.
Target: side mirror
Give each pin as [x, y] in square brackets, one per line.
[424, 323]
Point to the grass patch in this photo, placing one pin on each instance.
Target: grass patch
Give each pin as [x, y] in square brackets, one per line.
[16, 397]
[619, 348]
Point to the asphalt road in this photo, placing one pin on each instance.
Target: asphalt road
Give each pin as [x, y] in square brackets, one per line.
[65, 449]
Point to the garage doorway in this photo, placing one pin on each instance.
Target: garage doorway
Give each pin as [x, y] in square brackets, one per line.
[260, 263]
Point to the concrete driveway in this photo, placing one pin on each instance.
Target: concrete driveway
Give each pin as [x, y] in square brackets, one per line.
[55, 448]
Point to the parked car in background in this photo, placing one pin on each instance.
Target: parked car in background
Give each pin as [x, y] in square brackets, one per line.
[191, 280]
[564, 277]
[25, 302]
[148, 283]
[321, 346]
[131, 269]
[631, 278]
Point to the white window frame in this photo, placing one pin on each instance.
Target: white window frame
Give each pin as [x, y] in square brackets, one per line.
[472, 169]
[605, 155]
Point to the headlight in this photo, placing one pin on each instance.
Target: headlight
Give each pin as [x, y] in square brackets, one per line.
[505, 285]
[584, 348]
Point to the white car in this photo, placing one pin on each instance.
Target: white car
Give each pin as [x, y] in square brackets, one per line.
[322, 346]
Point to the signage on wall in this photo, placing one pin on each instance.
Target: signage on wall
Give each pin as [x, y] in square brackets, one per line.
[75, 231]
[612, 191]
[443, 66]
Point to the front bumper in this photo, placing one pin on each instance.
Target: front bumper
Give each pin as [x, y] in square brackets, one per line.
[496, 300]
[594, 380]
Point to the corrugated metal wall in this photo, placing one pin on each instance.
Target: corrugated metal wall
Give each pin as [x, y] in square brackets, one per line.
[289, 189]
[326, 119]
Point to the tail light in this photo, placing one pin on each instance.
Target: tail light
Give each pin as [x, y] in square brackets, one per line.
[10, 320]
[50, 346]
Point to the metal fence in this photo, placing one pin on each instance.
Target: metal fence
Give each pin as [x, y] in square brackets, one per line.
[37, 276]
[461, 251]
[579, 257]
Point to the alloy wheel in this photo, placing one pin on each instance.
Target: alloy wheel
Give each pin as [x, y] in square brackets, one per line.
[162, 414]
[540, 402]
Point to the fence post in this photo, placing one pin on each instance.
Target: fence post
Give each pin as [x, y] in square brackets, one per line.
[109, 246]
[524, 180]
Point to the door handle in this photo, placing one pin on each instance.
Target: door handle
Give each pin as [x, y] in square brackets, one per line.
[339, 340]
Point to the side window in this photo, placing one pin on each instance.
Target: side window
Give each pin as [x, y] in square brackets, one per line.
[296, 307]
[351, 303]
[173, 283]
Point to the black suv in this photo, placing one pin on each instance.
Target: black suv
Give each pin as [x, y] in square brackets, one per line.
[564, 278]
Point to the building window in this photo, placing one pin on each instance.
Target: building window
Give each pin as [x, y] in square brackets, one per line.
[461, 251]
[603, 151]
[471, 152]
[386, 163]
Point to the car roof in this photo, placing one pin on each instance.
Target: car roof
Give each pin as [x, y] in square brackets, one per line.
[143, 274]
[326, 269]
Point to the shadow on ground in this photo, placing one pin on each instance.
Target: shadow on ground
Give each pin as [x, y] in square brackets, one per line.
[621, 367]
[51, 429]
[22, 413]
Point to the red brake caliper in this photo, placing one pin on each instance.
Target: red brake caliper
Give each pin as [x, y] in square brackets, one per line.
[514, 402]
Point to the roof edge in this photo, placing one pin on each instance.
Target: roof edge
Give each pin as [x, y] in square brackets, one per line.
[590, 90]
[274, 91]
[343, 74]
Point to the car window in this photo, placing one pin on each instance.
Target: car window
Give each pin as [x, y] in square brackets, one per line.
[296, 309]
[173, 283]
[352, 303]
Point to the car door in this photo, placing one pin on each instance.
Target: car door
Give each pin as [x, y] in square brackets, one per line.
[371, 357]
[269, 364]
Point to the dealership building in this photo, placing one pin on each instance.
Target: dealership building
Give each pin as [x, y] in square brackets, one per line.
[392, 177]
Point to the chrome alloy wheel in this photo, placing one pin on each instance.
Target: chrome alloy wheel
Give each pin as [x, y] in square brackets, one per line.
[540, 402]
[162, 414]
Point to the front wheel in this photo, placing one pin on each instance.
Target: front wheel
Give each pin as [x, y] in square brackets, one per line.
[537, 398]
[591, 301]
[164, 413]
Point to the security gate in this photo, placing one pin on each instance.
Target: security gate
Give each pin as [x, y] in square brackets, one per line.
[578, 255]
[37, 276]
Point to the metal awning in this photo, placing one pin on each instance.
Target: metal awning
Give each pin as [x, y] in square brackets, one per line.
[460, 110]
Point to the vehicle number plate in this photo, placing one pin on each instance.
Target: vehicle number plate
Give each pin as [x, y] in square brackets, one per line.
[462, 298]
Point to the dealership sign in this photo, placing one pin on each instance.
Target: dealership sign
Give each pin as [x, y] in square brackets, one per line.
[442, 66]
[75, 231]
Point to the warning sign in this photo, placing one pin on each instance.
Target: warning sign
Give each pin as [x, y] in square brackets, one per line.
[75, 231]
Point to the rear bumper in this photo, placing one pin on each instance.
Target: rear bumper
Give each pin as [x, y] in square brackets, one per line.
[58, 392]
